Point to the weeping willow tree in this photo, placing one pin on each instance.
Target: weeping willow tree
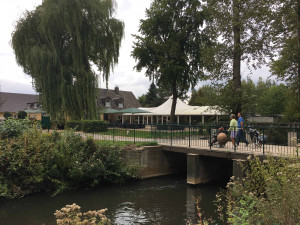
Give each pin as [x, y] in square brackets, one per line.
[59, 43]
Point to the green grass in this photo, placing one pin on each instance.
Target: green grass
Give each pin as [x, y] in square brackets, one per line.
[150, 134]
[123, 144]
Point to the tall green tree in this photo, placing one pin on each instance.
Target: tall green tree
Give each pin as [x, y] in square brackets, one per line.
[286, 38]
[142, 100]
[207, 95]
[57, 44]
[241, 27]
[273, 101]
[171, 45]
[152, 96]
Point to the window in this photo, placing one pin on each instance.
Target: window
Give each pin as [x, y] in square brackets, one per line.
[120, 103]
[107, 103]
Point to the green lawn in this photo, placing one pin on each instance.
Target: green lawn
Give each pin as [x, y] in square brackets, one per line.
[152, 134]
[123, 144]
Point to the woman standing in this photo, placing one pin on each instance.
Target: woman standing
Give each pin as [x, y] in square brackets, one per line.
[233, 127]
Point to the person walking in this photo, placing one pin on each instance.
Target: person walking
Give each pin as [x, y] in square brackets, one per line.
[233, 128]
[241, 129]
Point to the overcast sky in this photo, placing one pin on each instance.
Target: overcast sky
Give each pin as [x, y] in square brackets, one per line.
[12, 78]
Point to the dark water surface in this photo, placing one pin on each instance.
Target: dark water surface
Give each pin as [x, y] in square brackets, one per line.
[164, 200]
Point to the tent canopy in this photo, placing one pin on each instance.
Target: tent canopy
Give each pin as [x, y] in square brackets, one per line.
[108, 111]
[133, 111]
[182, 109]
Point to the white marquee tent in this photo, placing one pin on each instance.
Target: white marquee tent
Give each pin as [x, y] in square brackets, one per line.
[161, 113]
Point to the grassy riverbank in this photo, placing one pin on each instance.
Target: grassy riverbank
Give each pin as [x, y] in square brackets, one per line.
[31, 161]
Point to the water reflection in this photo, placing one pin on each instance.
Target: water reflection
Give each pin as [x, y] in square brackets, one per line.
[164, 200]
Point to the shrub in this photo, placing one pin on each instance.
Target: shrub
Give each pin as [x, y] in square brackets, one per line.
[56, 162]
[13, 128]
[7, 115]
[22, 115]
[74, 124]
[71, 214]
[269, 194]
[91, 126]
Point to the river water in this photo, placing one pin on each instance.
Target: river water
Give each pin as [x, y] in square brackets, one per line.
[164, 200]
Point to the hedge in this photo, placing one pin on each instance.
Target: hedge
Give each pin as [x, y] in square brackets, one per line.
[88, 126]
[74, 124]
[94, 126]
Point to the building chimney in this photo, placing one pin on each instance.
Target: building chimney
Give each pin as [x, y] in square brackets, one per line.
[117, 90]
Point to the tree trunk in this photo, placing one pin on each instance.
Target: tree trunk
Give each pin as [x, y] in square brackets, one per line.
[298, 69]
[174, 102]
[237, 53]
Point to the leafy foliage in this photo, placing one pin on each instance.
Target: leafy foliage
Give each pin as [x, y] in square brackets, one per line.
[89, 126]
[57, 44]
[264, 98]
[273, 101]
[171, 45]
[71, 214]
[241, 31]
[205, 96]
[269, 194]
[22, 115]
[57, 162]
[7, 115]
[286, 43]
[13, 128]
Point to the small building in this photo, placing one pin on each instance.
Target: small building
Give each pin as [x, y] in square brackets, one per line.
[109, 100]
[185, 114]
[15, 102]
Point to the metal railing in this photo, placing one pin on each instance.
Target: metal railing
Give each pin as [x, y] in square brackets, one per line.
[268, 140]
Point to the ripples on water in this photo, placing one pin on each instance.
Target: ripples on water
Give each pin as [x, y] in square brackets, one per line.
[164, 200]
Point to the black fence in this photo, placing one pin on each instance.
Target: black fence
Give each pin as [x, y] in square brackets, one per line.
[264, 140]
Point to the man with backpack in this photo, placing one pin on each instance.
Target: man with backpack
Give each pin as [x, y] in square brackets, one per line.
[241, 129]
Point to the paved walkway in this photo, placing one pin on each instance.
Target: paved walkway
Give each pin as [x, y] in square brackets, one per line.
[203, 144]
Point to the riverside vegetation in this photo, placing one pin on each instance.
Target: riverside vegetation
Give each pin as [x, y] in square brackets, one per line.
[32, 161]
[268, 194]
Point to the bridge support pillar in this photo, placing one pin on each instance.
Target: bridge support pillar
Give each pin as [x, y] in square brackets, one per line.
[193, 169]
[204, 169]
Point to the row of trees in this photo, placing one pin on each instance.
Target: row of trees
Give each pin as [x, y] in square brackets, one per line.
[182, 42]
[265, 98]
[179, 43]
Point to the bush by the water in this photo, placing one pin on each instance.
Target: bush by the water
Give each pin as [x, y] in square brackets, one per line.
[89, 126]
[268, 194]
[55, 162]
[13, 128]
[71, 214]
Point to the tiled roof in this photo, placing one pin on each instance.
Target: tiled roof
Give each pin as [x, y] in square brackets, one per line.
[13, 102]
[129, 100]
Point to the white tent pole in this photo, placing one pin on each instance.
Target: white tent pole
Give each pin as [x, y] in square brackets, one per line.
[190, 119]
[202, 119]
[177, 119]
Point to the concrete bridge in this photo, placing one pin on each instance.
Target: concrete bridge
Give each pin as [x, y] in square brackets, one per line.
[201, 165]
